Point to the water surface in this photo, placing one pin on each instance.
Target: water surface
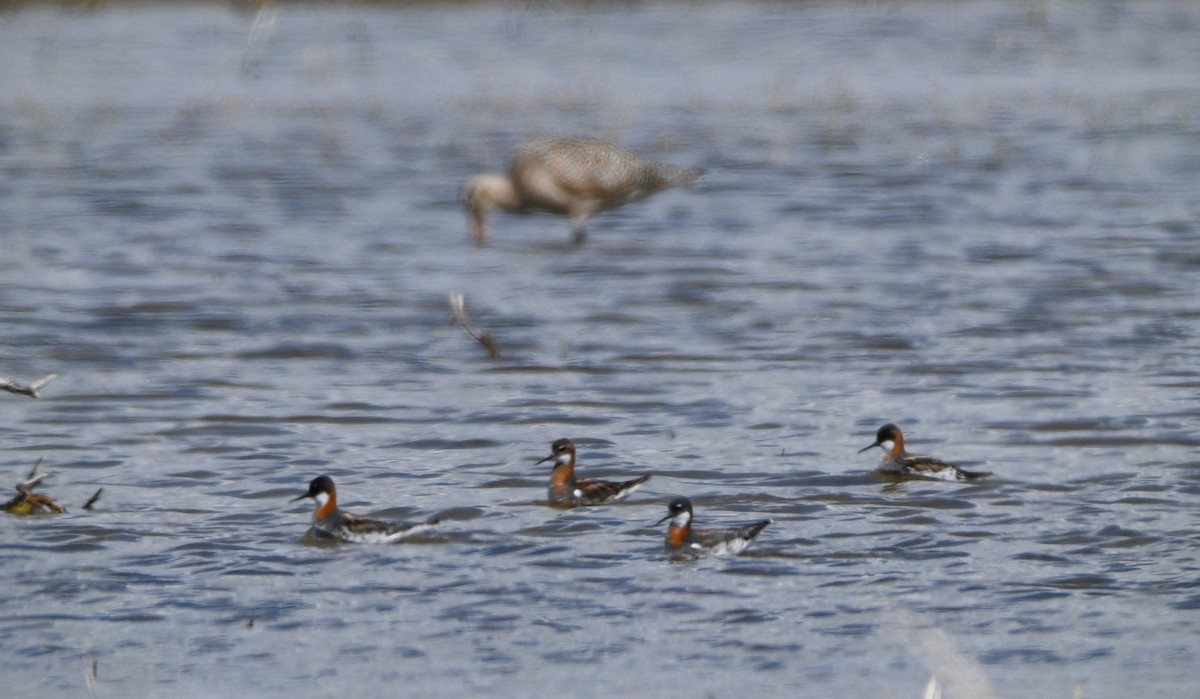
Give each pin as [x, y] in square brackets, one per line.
[233, 235]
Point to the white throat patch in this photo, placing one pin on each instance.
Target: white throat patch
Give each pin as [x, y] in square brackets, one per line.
[887, 445]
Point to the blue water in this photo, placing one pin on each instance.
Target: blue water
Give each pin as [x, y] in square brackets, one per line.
[233, 235]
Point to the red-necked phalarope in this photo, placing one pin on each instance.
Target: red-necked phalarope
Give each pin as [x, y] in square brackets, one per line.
[575, 177]
[681, 536]
[897, 462]
[566, 489]
[329, 522]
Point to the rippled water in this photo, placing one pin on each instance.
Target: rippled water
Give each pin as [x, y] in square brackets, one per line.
[233, 235]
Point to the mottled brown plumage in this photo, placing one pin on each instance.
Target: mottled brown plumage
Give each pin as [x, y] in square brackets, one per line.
[570, 176]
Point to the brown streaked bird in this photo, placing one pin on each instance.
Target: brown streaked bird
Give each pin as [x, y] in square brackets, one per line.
[566, 489]
[898, 462]
[681, 537]
[330, 522]
[571, 176]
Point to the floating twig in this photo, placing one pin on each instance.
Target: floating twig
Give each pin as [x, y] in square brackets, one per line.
[91, 672]
[458, 307]
[92, 500]
[28, 502]
[7, 384]
[33, 477]
[261, 30]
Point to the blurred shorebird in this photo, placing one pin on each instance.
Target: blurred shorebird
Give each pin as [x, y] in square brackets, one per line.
[566, 489]
[570, 176]
[898, 462]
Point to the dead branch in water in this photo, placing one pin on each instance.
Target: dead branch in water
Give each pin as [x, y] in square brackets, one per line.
[7, 384]
[91, 673]
[33, 478]
[92, 500]
[28, 502]
[458, 306]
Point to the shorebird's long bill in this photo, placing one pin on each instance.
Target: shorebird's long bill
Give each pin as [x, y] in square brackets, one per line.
[542, 461]
[669, 516]
[297, 499]
[869, 446]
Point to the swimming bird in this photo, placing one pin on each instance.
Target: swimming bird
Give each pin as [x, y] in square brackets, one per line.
[898, 462]
[565, 488]
[682, 537]
[571, 176]
[330, 522]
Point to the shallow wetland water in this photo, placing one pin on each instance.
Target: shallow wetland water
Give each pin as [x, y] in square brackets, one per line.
[233, 234]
